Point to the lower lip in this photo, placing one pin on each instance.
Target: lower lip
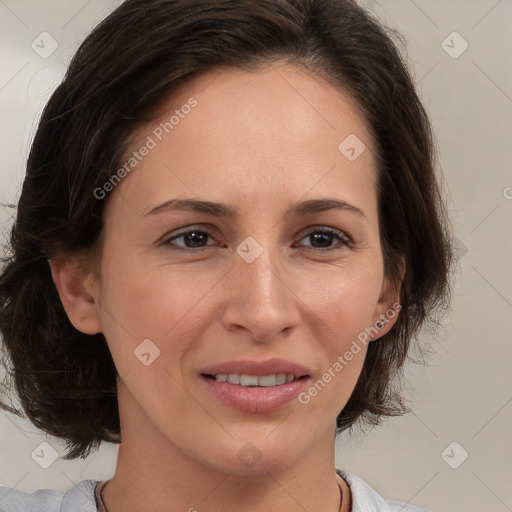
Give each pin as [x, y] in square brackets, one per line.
[255, 399]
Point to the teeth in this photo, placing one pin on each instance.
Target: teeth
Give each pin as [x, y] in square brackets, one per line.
[267, 380]
[280, 378]
[248, 380]
[243, 379]
[233, 378]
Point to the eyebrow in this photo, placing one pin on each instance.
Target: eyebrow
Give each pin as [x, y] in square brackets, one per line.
[301, 208]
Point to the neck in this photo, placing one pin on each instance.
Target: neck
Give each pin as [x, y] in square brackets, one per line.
[154, 474]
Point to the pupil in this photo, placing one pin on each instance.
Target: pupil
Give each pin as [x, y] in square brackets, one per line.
[318, 237]
[193, 237]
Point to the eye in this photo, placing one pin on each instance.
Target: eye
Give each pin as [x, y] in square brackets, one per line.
[193, 239]
[322, 238]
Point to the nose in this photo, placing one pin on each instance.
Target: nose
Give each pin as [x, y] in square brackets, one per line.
[262, 304]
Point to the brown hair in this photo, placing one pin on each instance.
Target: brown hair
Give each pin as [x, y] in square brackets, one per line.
[65, 379]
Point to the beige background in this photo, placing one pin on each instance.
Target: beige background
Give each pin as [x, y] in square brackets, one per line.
[465, 394]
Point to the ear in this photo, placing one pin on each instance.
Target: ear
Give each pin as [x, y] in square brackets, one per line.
[388, 305]
[78, 292]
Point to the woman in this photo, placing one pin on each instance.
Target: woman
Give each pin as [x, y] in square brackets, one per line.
[229, 231]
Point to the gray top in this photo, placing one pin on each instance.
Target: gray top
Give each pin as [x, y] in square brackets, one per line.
[81, 498]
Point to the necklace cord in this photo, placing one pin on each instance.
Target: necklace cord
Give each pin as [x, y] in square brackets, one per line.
[103, 506]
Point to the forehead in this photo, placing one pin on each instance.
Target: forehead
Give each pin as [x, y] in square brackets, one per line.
[279, 130]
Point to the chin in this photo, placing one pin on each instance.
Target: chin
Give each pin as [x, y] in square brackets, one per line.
[253, 457]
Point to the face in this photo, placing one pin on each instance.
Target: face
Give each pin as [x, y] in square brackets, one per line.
[281, 281]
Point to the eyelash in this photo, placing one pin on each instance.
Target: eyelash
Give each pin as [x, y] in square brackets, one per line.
[345, 241]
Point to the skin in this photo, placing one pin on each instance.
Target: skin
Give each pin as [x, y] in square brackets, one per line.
[259, 142]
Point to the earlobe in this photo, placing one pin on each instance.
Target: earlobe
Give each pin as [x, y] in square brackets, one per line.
[388, 306]
[76, 292]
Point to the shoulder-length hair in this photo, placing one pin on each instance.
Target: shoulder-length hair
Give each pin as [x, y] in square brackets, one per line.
[129, 64]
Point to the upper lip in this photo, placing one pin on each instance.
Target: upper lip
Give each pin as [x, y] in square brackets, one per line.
[258, 368]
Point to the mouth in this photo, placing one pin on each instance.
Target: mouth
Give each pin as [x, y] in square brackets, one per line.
[263, 381]
[255, 386]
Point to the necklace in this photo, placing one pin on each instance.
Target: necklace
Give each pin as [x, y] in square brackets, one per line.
[341, 496]
[101, 503]
[103, 508]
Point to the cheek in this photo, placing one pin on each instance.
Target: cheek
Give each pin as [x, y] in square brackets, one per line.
[160, 303]
[150, 299]
[345, 307]
[346, 301]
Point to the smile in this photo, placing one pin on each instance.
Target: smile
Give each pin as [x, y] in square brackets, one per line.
[250, 394]
[275, 379]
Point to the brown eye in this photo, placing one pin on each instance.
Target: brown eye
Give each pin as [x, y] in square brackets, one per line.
[322, 238]
[193, 239]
